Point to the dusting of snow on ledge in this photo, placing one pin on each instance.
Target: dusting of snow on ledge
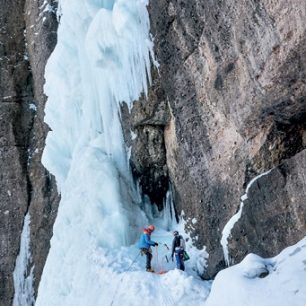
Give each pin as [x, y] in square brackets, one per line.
[230, 224]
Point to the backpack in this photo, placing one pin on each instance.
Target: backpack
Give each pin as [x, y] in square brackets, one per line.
[179, 242]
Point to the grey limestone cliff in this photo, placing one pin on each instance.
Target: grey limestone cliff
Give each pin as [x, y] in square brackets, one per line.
[27, 37]
[232, 81]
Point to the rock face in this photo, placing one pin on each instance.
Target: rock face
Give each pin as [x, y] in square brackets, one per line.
[233, 75]
[41, 37]
[274, 213]
[27, 37]
[144, 133]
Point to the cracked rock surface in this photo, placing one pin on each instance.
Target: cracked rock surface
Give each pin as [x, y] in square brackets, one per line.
[233, 74]
[27, 37]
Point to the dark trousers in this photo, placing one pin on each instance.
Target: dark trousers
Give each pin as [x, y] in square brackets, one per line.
[149, 256]
[179, 257]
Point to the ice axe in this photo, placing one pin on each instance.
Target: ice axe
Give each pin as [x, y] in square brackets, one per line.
[168, 250]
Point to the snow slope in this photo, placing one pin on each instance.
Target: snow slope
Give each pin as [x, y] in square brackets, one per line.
[241, 285]
[131, 285]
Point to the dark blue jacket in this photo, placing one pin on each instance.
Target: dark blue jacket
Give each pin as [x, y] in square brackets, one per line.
[145, 241]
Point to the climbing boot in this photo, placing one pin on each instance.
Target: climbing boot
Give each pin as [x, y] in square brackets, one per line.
[150, 270]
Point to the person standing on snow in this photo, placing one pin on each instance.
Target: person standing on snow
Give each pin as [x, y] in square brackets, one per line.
[145, 244]
[178, 248]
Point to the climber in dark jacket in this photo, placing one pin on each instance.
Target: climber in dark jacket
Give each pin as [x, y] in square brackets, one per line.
[178, 248]
[145, 244]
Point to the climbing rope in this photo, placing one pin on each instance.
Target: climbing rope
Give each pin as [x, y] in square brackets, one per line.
[159, 263]
[121, 280]
[167, 299]
[157, 260]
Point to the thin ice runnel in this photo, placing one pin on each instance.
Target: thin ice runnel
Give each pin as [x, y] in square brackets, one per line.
[226, 233]
[23, 279]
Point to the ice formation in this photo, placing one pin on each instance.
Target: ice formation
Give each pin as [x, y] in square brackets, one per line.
[230, 224]
[23, 274]
[102, 58]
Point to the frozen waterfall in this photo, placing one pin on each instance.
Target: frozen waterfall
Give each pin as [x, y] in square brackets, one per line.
[102, 58]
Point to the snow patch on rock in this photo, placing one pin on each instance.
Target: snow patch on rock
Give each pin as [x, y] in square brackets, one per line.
[226, 233]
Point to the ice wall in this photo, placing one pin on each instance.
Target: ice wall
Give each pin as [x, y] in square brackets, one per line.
[101, 59]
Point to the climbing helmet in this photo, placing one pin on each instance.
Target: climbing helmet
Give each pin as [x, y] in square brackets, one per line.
[151, 228]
